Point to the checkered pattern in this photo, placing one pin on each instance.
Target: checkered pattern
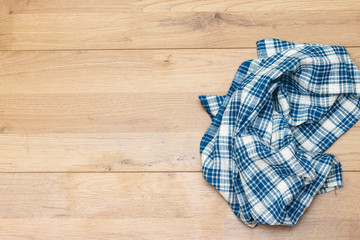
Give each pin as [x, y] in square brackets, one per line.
[264, 148]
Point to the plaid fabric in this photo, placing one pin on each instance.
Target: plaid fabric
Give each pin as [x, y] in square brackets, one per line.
[263, 149]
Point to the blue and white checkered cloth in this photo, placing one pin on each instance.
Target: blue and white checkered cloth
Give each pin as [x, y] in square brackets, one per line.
[264, 148]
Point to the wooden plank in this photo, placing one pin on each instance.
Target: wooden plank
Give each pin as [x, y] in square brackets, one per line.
[100, 152]
[109, 152]
[200, 71]
[172, 228]
[155, 205]
[210, 28]
[101, 113]
[125, 71]
[132, 6]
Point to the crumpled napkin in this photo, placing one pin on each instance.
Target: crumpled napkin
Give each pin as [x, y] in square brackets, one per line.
[264, 148]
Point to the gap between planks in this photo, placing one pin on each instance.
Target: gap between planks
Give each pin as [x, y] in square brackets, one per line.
[121, 172]
[137, 49]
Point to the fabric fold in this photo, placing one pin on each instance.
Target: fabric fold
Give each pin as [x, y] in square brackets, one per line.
[211, 103]
[264, 149]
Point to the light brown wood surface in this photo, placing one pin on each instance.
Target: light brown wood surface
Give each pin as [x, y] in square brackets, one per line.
[100, 123]
[153, 206]
[176, 24]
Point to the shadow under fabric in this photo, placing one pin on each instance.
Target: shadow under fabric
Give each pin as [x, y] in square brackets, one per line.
[264, 148]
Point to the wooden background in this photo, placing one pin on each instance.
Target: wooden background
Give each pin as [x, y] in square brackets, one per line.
[100, 122]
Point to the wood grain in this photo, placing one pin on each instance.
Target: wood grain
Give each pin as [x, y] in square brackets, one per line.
[111, 152]
[102, 113]
[27, 26]
[88, 152]
[124, 71]
[132, 6]
[100, 123]
[106, 110]
[115, 111]
[144, 206]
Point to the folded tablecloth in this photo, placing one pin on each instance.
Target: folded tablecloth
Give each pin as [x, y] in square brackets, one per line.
[264, 148]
